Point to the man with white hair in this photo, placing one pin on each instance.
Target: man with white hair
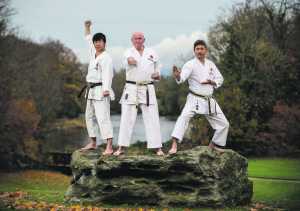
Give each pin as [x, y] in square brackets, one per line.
[142, 69]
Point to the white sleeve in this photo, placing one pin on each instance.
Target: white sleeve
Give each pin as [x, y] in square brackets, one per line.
[217, 76]
[157, 64]
[107, 73]
[185, 72]
[91, 46]
[125, 57]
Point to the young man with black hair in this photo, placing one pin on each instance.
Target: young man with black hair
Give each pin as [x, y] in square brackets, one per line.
[203, 77]
[98, 91]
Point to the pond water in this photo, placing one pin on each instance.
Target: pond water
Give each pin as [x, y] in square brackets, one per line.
[62, 140]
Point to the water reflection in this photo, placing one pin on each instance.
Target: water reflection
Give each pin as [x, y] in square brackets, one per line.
[62, 140]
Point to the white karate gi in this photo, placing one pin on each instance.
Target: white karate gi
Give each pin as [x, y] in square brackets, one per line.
[135, 95]
[196, 72]
[97, 114]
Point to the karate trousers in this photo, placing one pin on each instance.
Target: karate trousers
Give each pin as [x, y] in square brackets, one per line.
[97, 116]
[151, 121]
[218, 122]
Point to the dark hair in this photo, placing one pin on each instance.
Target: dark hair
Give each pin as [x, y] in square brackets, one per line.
[98, 37]
[199, 42]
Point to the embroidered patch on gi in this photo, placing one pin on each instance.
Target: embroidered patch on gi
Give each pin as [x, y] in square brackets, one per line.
[97, 66]
[151, 58]
[126, 96]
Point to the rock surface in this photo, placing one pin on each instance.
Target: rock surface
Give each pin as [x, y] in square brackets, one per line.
[193, 178]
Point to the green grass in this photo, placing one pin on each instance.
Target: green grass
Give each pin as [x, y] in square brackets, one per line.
[51, 186]
[276, 182]
[275, 168]
[40, 185]
[283, 194]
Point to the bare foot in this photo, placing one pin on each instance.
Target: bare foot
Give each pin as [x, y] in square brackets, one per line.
[90, 146]
[159, 152]
[214, 147]
[211, 145]
[172, 151]
[109, 149]
[118, 152]
[108, 152]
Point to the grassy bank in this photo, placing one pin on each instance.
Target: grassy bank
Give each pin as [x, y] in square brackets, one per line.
[276, 183]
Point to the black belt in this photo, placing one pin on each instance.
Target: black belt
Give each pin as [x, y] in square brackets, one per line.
[142, 84]
[208, 98]
[88, 87]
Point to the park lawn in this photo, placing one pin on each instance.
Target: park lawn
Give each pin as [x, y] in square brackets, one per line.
[40, 185]
[50, 187]
[276, 181]
[284, 191]
[276, 168]
[279, 193]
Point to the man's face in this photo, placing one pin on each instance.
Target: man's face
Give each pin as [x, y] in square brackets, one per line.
[99, 45]
[138, 40]
[200, 51]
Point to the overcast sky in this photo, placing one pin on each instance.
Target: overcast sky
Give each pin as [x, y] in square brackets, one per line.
[170, 26]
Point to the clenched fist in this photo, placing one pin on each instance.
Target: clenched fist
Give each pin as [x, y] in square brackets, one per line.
[88, 23]
[131, 61]
[176, 72]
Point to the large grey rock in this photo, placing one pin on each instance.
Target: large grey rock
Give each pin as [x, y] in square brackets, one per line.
[194, 178]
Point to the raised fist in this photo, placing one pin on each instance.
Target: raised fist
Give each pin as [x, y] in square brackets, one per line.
[88, 23]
